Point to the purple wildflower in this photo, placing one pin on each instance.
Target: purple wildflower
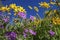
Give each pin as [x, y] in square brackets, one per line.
[32, 18]
[32, 32]
[5, 19]
[11, 35]
[51, 33]
[24, 34]
[1, 26]
[22, 15]
[26, 30]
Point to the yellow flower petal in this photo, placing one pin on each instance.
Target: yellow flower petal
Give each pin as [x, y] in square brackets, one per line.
[52, 3]
[36, 9]
[30, 7]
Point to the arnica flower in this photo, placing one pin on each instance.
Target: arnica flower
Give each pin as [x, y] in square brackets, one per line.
[22, 15]
[44, 4]
[21, 9]
[32, 18]
[56, 21]
[5, 19]
[11, 35]
[52, 33]
[13, 6]
[32, 32]
[3, 9]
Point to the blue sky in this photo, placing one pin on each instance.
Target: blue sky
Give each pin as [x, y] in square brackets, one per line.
[26, 3]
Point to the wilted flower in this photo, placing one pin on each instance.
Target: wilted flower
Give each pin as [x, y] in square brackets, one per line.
[32, 18]
[51, 33]
[21, 14]
[32, 32]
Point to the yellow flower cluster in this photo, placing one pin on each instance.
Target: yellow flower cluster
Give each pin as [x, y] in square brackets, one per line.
[5, 9]
[14, 7]
[44, 4]
[56, 21]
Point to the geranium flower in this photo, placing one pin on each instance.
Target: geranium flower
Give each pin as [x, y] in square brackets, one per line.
[5, 19]
[11, 35]
[26, 30]
[24, 34]
[32, 18]
[21, 14]
[52, 33]
[32, 32]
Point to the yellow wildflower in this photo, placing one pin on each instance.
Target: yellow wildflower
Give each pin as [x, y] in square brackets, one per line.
[16, 9]
[13, 6]
[21, 9]
[48, 13]
[3, 9]
[36, 9]
[44, 4]
[56, 21]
